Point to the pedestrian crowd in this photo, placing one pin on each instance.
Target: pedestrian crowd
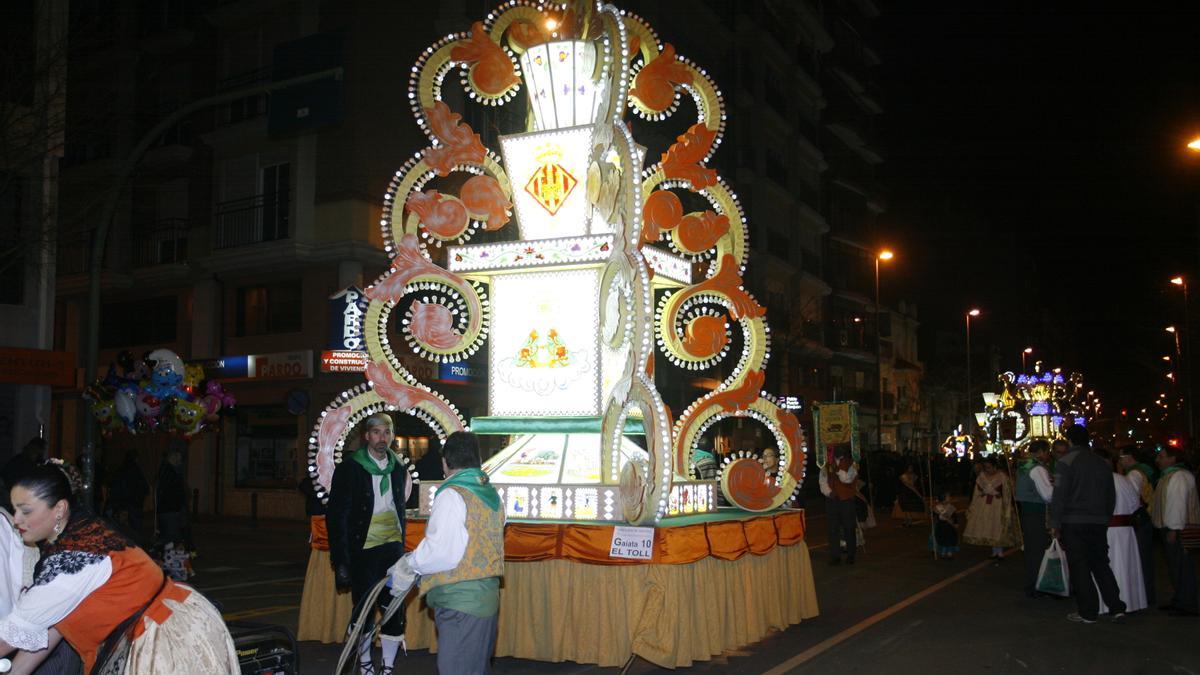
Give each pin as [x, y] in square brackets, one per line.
[1106, 514]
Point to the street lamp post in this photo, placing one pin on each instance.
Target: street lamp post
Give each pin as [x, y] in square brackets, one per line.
[1187, 362]
[883, 256]
[1175, 383]
[972, 313]
[1025, 353]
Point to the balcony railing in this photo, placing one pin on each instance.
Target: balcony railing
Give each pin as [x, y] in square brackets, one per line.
[252, 220]
[163, 243]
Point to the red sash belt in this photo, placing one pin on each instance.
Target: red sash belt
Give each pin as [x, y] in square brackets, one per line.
[158, 612]
[1120, 521]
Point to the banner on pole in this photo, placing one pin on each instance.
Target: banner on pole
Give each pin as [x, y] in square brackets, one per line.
[835, 424]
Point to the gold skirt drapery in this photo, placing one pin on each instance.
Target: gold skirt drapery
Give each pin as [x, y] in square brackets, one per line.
[669, 614]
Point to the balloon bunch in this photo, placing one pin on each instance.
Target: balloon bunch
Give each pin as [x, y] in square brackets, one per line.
[156, 393]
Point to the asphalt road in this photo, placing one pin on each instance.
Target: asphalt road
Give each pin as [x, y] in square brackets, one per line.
[896, 611]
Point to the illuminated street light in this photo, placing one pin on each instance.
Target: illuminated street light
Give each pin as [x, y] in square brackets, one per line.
[973, 312]
[1024, 353]
[884, 255]
[1194, 145]
[1187, 347]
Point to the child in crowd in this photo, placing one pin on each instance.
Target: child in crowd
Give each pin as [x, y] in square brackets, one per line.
[945, 534]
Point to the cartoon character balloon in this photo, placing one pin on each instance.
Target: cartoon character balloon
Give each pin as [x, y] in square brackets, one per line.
[188, 417]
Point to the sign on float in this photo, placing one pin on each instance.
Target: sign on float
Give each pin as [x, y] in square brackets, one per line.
[636, 543]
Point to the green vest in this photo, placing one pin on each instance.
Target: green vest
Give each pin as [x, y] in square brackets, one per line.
[473, 587]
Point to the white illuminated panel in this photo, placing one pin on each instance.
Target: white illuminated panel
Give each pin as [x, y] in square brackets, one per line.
[548, 170]
[543, 356]
[558, 76]
[529, 254]
[668, 265]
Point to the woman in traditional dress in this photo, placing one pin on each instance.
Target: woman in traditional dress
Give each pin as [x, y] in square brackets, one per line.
[990, 520]
[909, 497]
[91, 582]
[16, 571]
[1123, 554]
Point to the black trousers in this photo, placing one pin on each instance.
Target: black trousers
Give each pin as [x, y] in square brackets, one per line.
[1037, 540]
[1183, 573]
[367, 567]
[62, 661]
[1087, 556]
[1143, 529]
[842, 523]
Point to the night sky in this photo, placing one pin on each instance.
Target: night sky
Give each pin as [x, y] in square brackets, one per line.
[1037, 170]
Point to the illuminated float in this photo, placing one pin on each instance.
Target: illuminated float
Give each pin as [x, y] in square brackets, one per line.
[562, 298]
[1030, 406]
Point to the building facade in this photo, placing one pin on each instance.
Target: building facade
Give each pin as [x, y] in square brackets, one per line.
[246, 215]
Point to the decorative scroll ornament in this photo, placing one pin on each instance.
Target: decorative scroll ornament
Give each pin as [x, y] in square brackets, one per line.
[625, 235]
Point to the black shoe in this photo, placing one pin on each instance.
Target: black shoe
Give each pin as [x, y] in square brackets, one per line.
[850, 560]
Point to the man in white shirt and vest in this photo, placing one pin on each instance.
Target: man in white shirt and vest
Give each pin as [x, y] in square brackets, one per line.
[1033, 492]
[460, 561]
[839, 483]
[1175, 505]
[1142, 477]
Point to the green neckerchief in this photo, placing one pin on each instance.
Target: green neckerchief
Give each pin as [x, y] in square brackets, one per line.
[1168, 471]
[366, 461]
[477, 482]
[1146, 469]
[1027, 465]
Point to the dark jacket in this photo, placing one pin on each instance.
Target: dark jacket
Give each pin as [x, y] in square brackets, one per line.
[351, 503]
[171, 493]
[1084, 493]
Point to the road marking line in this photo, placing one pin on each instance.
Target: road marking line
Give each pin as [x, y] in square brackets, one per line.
[247, 583]
[823, 646]
[262, 611]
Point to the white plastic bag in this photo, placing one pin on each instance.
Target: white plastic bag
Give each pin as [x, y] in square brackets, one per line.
[1054, 576]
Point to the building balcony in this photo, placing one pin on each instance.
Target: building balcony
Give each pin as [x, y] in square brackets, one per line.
[164, 243]
[173, 148]
[252, 220]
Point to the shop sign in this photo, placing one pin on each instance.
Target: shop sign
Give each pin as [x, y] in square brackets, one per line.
[37, 366]
[420, 368]
[636, 543]
[460, 372]
[793, 403]
[343, 361]
[277, 366]
[346, 311]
